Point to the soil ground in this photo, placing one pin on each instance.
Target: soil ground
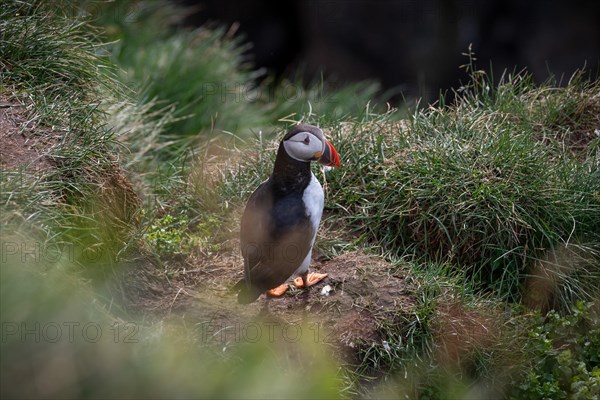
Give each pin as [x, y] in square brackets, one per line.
[19, 144]
[362, 293]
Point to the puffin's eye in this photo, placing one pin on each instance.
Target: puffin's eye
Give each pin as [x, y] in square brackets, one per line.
[306, 140]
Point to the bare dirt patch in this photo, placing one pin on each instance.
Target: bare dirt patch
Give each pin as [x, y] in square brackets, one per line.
[20, 145]
[364, 292]
[29, 146]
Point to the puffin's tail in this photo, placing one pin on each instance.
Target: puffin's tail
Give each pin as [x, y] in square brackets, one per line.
[246, 294]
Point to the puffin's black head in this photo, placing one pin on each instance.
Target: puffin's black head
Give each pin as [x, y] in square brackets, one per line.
[308, 143]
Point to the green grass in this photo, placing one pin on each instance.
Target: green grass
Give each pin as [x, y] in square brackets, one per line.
[50, 69]
[476, 183]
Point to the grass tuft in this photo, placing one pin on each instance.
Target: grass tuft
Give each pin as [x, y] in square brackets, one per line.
[474, 183]
[56, 87]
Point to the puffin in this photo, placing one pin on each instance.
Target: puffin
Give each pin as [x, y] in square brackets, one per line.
[280, 222]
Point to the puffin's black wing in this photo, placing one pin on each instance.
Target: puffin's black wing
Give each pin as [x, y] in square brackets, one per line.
[275, 237]
[255, 228]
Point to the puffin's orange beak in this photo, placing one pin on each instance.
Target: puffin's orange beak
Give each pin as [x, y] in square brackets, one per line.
[330, 157]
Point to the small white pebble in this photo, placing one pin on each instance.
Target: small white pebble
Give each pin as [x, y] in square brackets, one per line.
[597, 132]
[386, 346]
[326, 289]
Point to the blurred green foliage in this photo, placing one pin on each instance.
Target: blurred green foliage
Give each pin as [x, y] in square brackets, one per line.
[564, 356]
[206, 77]
[59, 341]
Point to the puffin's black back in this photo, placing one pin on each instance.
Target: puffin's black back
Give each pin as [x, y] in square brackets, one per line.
[276, 232]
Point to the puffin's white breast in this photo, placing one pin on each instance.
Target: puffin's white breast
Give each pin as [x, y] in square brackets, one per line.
[314, 200]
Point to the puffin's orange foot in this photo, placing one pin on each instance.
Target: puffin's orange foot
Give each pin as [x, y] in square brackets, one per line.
[312, 279]
[278, 291]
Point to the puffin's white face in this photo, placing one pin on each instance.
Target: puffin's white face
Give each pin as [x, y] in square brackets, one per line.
[304, 146]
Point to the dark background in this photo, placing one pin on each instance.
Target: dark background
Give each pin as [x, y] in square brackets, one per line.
[412, 46]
